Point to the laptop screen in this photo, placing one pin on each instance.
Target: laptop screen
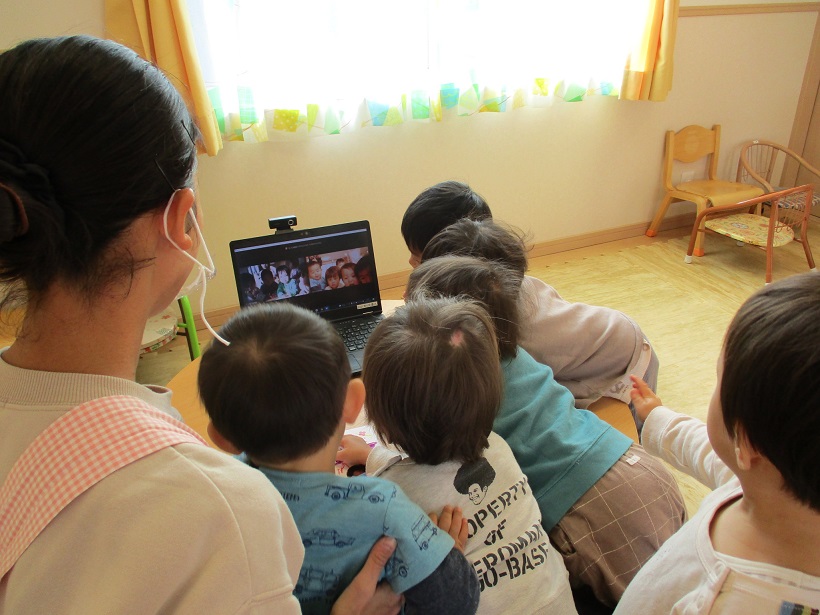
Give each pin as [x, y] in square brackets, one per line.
[329, 270]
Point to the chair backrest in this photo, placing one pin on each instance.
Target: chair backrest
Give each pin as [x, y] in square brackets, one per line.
[689, 145]
[791, 207]
[767, 164]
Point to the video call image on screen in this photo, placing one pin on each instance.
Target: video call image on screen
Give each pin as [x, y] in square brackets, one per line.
[284, 279]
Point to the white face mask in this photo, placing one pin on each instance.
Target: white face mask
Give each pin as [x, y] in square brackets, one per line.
[204, 273]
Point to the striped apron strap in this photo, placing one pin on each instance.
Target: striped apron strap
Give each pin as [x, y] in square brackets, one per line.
[74, 453]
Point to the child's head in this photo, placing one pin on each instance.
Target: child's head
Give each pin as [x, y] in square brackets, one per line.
[482, 239]
[433, 380]
[769, 390]
[314, 270]
[247, 280]
[299, 352]
[496, 287]
[364, 269]
[348, 271]
[283, 271]
[436, 208]
[267, 276]
[332, 276]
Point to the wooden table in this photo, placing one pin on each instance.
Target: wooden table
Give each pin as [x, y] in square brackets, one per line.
[186, 398]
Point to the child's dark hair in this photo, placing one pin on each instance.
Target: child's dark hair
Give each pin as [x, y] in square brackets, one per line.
[438, 207]
[283, 268]
[771, 379]
[482, 239]
[332, 271]
[492, 284]
[277, 392]
[433, 380]
[366, 262]
[80, 161]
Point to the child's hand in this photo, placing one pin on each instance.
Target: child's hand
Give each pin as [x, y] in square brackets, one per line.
[643, 398]
[453, 522]
[353, 451]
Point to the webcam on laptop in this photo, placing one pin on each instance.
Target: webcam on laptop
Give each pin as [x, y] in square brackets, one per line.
[283, 224]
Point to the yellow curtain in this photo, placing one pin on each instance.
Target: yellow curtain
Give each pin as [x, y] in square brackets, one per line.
[160, 31]
[648, 74]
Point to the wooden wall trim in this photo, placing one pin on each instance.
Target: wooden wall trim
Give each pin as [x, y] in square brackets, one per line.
[749, 9]
[399, 279]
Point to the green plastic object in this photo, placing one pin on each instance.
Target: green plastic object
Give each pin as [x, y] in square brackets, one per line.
[187, 327]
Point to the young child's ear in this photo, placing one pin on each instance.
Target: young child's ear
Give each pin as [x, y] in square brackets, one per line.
[745, 453]
[220, 440]
[354, 400]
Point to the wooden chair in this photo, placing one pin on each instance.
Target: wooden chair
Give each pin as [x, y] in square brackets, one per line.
[689, 145]
[787, 210]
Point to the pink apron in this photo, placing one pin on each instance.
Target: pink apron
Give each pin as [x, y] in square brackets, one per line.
[75, 452]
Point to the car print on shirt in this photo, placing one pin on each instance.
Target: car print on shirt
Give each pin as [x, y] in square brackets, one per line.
[423, 530]
[321, 537]
[352, 491]
[316, 581]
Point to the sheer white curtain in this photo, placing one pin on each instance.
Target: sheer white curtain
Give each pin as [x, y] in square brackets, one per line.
[328, 66]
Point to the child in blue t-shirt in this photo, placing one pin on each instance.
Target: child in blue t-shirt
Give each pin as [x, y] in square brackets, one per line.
[292, 431]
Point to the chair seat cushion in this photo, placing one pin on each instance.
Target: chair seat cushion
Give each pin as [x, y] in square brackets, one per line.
[750, 228]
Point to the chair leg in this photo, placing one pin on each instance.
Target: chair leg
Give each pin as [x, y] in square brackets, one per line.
[656, 221]
[700, 239]
[804, 239]
[769, 263]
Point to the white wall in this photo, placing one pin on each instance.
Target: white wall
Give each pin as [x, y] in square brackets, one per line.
[566, 170]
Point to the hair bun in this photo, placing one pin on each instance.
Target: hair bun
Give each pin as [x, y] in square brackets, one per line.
[31, 177]
[12, 214]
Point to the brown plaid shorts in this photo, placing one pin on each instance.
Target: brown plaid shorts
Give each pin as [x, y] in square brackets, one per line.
[616, 526]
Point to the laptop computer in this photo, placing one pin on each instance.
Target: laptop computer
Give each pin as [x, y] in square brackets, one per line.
[329, 270]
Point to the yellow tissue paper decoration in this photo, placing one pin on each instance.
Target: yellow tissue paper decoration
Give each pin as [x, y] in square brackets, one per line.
[286, 119]
[393, 117]
[312, 114]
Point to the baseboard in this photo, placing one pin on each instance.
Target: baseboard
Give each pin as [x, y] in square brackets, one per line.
[399, 279]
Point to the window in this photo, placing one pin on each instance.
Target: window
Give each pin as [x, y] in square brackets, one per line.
[329, 66]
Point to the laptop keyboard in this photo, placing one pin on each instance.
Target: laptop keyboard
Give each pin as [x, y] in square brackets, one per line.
[355, 332]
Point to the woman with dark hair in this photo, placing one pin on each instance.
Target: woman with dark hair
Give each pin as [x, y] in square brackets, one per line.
[108, 503]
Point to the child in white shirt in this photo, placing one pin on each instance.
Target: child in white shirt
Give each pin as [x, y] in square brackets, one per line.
[434, 385]
[754, 545]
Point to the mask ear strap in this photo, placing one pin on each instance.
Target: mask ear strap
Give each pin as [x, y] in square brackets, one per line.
[202, 312]
[204, 271]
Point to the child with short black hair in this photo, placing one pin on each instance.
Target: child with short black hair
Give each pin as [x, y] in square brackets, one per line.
[436, 208]
[753, 546]
[365, 269]
[314, 271]
[333, 278]
[292, 435]
[348, 271]
[434, 387]
[286, 286]
[591, 349]
[606, 504]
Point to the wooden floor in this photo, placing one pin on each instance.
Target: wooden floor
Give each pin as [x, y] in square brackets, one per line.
[683, 309]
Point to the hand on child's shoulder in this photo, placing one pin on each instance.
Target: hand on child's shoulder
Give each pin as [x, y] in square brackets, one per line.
[453, 522]
[643, 398]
